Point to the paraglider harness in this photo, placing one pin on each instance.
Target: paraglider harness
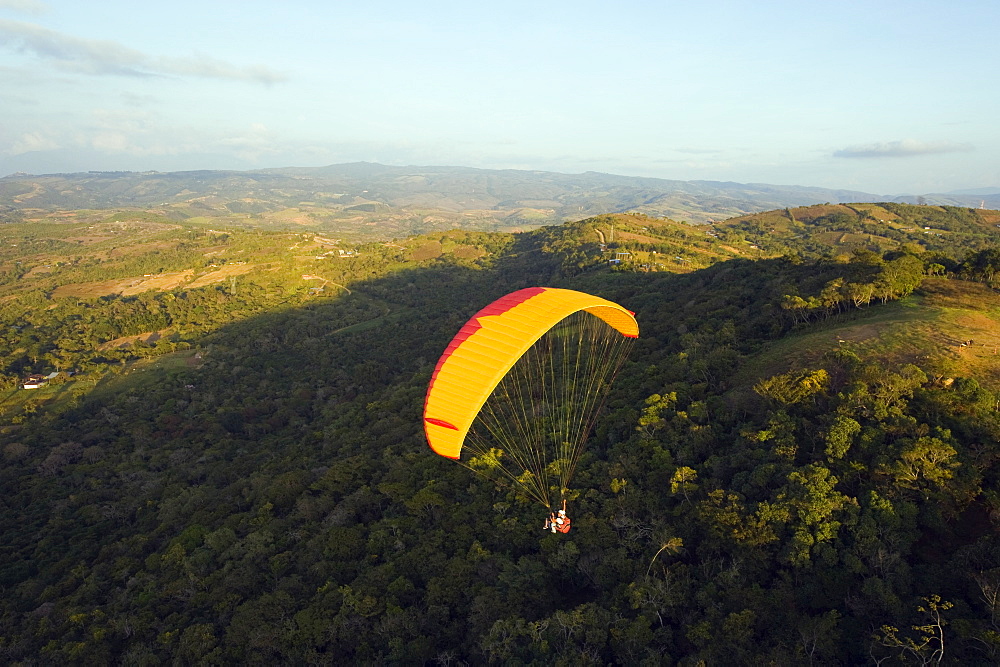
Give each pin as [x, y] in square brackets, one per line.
[558, 523]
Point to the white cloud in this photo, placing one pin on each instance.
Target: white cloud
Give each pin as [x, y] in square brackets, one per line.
[32, 141]
[104, 57]
[904, 148]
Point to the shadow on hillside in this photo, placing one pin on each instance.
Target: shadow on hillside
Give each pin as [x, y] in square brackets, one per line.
[339, 376]
[313, 363]
[391, 329]
[336, 375]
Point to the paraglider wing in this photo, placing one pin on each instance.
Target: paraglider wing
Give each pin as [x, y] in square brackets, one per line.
[489, 344]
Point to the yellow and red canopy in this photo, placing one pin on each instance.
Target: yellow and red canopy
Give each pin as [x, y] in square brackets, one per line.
[489, 344]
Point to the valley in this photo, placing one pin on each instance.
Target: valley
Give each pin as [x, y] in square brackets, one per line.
[372, 202]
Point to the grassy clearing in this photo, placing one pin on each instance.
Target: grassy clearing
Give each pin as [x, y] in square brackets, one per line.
[966, 311]
[926, 329]
[181, 360]
[143, 374]
[16, 403]
[809, 213]
[876, 211]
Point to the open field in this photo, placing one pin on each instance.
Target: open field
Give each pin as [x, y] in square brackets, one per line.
[928, 329]
[223, 273]
[125, 286]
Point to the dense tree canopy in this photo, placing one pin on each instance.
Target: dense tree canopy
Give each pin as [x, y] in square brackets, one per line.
[262, 492]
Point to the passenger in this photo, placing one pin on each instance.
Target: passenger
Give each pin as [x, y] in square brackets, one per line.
[558, 522]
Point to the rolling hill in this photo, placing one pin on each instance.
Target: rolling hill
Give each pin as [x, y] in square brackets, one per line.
[378, 201]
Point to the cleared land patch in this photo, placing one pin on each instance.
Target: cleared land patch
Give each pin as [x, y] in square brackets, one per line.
[876, 211]
[94, 289]
[125, 286]
[148, 337]
[809, 213]
[429, 250]
[37, 271]
[224, 273]
[161, 281]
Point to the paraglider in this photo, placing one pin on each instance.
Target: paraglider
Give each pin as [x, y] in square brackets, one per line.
[558, 523]
[519, 388]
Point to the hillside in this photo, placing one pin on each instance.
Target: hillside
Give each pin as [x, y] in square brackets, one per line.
[375, 202]
[880, 227]
[930, 329]
[798, 463]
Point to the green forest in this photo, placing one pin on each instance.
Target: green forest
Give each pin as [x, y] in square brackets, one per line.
[799, 463]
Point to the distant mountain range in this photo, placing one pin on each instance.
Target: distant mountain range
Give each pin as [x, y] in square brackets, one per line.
[454, 196]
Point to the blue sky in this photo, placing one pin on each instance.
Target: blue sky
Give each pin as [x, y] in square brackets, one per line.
[883, 96]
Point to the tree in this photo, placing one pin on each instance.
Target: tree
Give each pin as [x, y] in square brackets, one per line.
[814, 500]
[840, 435]
[928, 647]
[793, 387]
[899, 277]
[652, 418]
[685, 481]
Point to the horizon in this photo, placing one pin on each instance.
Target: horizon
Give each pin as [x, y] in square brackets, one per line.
[883, 98]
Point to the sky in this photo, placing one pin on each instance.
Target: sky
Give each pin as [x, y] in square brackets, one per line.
[881, 96]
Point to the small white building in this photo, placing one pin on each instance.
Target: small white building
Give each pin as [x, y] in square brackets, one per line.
[35, 381]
